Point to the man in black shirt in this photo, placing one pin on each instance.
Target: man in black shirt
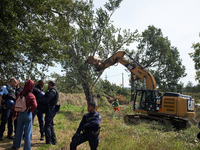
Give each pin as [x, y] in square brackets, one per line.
[36, 91]
[50, 100]
[90, 129]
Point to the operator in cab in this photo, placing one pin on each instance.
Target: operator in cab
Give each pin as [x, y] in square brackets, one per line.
[88, 129]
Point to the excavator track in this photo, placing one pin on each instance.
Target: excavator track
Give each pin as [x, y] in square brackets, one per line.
[177, 123]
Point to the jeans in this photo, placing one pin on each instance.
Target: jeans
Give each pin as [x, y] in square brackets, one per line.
[40, 120]
[24, 123]
[6, 117]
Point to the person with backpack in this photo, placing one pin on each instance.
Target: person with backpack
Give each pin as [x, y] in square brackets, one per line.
[18, 89]
[7, 98]
[24, 116]
[48, 104]
[36, 91]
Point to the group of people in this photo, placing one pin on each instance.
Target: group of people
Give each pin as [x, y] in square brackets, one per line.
[23, 121]
[88, 129]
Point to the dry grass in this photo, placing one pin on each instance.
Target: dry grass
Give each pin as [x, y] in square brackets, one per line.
[115, 134]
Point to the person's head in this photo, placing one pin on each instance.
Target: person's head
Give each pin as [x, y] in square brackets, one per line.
[116, 100]
[28, 87]
[41, 83]
[18, 84]
[13, 82]
[91, 107]
[51, 84]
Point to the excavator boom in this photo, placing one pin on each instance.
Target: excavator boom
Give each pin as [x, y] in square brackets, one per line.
[134, 67]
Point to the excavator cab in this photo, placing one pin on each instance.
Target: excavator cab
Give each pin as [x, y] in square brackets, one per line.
[147, 100]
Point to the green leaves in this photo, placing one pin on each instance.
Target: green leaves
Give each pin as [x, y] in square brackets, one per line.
[112, 5]
[196, 58]
[156, 53]
[29, 36]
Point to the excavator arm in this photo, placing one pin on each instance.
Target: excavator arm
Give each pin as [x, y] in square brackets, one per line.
[134, 67]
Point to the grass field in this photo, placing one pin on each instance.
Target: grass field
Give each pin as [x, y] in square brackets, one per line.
[115, 133]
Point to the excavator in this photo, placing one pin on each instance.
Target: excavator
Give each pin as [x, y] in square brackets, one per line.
[149, 104]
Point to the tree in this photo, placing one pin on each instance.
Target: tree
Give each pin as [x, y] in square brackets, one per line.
[66, 83]
[94, 34]
[189, 87]
[196, 58]
[28, 44]
[163, 60]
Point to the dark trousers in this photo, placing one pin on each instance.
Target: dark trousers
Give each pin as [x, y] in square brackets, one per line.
[92, 139]
[40, 120]
[6, 117]
[49, 127]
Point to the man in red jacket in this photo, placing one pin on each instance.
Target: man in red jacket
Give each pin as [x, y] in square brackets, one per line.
[24, 119]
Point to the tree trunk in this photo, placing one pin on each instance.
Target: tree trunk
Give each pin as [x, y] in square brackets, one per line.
[132, 86]
[88, 92]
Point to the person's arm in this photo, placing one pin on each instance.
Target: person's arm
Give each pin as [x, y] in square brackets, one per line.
[33, 103]
[47, 98]
[2, 91]
[81, 125]
[0, 99]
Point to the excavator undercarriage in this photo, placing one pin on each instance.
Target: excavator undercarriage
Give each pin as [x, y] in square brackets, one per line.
[177, 123]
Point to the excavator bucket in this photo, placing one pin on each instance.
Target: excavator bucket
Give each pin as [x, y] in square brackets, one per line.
[96, 62]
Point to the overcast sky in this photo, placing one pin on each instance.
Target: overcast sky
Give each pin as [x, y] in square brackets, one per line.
[178, 20]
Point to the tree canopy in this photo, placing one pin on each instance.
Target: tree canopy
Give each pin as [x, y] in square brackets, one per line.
[93, 35]
[36, 34]
[196, 58]
[28, 41]
[155, 53]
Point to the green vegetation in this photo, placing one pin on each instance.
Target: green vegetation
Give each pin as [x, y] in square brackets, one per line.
[116, 134]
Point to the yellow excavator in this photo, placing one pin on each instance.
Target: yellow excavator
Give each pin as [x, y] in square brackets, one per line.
[149, 103]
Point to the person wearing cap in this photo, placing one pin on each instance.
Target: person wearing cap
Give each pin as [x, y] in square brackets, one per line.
[7, 93]
[116, 105]
[88, 129]
[36, 91]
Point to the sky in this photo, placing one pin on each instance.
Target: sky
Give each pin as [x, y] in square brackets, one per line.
[177, 19]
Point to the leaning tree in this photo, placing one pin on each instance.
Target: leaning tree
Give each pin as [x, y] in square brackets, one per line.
[93, 34]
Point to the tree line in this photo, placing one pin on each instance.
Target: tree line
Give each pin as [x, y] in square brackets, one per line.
[38, 34]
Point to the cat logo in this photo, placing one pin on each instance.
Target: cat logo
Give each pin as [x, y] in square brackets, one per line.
[130, 67]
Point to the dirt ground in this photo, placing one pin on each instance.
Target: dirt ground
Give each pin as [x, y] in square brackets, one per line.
[6, 144]
[74, 99]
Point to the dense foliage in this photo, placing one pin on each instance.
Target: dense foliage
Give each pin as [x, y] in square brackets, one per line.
[28, 45]
[93, 35]
[196, 58]
[156, 53]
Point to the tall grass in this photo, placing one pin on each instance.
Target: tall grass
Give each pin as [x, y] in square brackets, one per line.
[117, 135]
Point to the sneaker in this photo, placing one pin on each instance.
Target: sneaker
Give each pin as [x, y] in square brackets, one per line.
[10, 137]
[14, 148]
[42, 138]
